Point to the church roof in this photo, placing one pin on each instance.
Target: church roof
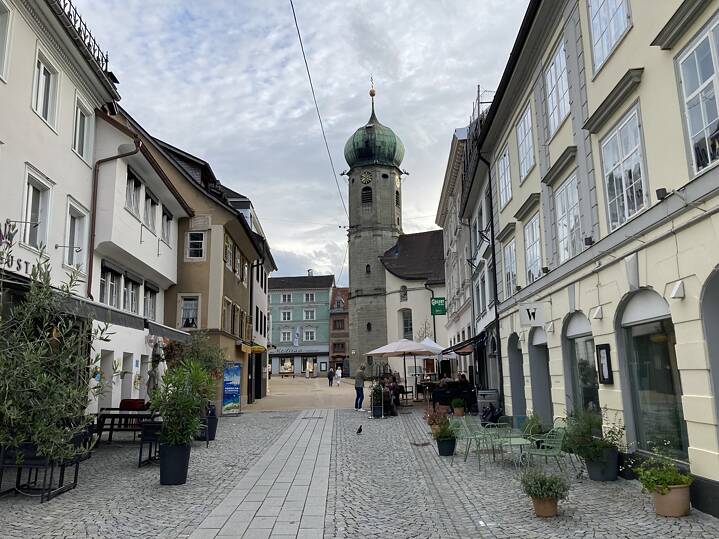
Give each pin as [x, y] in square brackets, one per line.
[301, 282]
[374, 144]
[417, 257]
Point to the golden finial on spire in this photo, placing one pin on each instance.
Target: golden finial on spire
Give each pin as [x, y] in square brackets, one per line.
[372, 92]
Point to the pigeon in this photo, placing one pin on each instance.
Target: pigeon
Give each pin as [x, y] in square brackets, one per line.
[359, 430]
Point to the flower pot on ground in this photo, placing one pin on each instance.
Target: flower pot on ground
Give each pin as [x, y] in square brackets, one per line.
[605, 467]
[668, 485]
[212, 421]
[545, 490]
[446, 439]
[458, 407]
[376, 397]
[596, 440]
[174, 463]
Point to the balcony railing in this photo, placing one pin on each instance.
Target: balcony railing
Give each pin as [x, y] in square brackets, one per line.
[77, 26]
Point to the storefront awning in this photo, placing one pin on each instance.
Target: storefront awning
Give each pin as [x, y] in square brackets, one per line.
[468, 346]
[165, 331]
[258, 349]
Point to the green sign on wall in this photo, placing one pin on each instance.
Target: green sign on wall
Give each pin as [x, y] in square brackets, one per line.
[438, 306]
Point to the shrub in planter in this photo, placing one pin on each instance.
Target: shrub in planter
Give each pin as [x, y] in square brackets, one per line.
[669, 486]
[446, 439]
[179, 407]
[458, 407]
[435, 420]
[377, 396]
[596, 441]
[545, 490]
[533, 425]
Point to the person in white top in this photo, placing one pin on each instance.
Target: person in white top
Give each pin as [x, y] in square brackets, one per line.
[338, 376]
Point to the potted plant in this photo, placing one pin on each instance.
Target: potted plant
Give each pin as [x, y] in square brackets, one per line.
[179, 406]
[435, 420]
[669, 486]
[597, 442]
[202, 385]
[545, 490]
[377, 395]
[458, 407]
[446, 439]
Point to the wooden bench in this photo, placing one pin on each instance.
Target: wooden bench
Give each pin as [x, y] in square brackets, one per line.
[285, 374]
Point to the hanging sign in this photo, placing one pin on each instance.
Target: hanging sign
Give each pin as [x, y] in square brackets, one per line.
[531, 315]
[438, 306]
[231, 388]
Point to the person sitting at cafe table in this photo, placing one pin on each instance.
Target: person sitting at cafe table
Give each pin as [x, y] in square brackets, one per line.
[463, 382]
[445, 380]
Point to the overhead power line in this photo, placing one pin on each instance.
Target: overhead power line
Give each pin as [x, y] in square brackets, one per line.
[317, 108]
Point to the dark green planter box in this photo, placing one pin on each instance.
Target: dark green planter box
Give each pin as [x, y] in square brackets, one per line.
[446, 447]
[174, 462]
[606, 468]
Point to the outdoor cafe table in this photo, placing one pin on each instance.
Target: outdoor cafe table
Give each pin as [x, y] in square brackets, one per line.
[121, 420]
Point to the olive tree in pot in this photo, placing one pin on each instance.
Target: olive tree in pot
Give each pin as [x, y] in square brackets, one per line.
[458, 407]
[669, 486]
[446, 439]
[377, 396]
[597, 442]
[545, 490]
[179, 406]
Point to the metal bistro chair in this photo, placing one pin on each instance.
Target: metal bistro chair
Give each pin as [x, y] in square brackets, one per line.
[459, 428]
[477, 434]
[499, 432]
[550, 445]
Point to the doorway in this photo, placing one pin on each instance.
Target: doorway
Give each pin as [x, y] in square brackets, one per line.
[258, 375]
[516, 375]
[541, 379]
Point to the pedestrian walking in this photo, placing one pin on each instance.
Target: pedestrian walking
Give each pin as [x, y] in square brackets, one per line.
[338, 375]
[359, 388]
[330, 375]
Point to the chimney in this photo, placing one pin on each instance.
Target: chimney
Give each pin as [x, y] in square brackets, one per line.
[310, 273]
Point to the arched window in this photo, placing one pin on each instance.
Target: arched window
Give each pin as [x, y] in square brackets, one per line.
[403, 293]
[396, 198]
[369, 326]
[366, 196]
[580, 350]
[368, 269]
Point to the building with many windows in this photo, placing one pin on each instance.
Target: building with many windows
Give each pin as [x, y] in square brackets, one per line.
[340, 329]
[300, 313]
[600, 148]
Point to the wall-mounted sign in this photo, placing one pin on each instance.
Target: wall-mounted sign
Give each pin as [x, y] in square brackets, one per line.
[231, 399]
[438, 306]
[300, 350]
[604, 364]
[531, 315]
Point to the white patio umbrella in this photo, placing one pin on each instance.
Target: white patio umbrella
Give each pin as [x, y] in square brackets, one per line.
[402, 348]
[436, 349]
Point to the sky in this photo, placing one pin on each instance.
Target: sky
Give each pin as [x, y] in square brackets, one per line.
[225, 80]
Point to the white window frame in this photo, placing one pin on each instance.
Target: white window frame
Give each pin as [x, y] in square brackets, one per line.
[509, 262]
[285, 335]
[105, 298]
[5, 31]
[77, 211]
[180, 303]
[504, 178]
[166, 226]
[624, 156]
[310, 335]
[309, 314]
[227, 315]
[532, 249]
[309, 297]
[45, 187]
[149, 308]
[596, 11]
[131, 295]
[286, 297]
[228, 251]
[149, 218]
[188, 257]
[287, 318]
[83, 109]
[566, 208]
[525, 143]
[556, 89]
[711, 35]
[133, 193]
[43, 58]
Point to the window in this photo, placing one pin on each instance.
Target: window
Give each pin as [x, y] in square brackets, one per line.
[406, 319]
[403, 293]
[368, 269]
[245, 274]
[286, 316]
[584, 373]
[533, 258]
[227, 322]
[81, 135]
[286, 336]
[557, 88]
[227, 255]
[110, 288]
[150, 303]
[195, 245]
[132, 193]
[623, 175]
[190, 313]
[698, 77]
[338, 324]
[257, 318]
[131, 296]
[397, 199]
[369, 326]
[166, 225]
[510, 269]
[309, 335]
[309, 314]
[236, 316]
[286, 298]
[74, 255]
[44, 98]
[4, 36]
[481, 293]
[338, 347]
[366, 195]
[609, 19]
[309, 297]
[569, 232]
[150, 211]
[37, 204]
[525, 144]
[504, 179]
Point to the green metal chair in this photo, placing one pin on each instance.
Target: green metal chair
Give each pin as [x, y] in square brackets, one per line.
[478, 435]
[459, 427]
[550, 445]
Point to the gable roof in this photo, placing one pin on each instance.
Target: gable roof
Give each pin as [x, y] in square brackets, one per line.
[301, 282]
[417, 257]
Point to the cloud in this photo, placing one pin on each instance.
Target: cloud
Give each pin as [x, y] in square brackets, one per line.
[225, 80]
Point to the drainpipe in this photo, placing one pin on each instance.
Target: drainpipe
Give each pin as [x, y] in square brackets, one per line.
[494, 283]
[93, 214]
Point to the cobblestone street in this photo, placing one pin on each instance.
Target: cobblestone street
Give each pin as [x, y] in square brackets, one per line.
[308, 474]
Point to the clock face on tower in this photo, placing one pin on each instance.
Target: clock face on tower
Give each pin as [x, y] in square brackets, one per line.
[397, 181]
[366, 177]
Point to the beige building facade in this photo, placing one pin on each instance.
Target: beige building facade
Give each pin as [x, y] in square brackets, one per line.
[603, 147]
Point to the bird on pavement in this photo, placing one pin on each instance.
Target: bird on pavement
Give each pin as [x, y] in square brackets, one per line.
[359, 430]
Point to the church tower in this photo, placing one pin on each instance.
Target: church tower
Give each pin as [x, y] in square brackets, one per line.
[374, 154]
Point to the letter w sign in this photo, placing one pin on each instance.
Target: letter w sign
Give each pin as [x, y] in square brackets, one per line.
[531, 314]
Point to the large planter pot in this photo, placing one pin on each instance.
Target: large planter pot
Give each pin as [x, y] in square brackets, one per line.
[545, 507]
[174, 461]
[212, 421]
[606, 467]
[459, 412]
[674, 503]
[377, 410]
[446, 446]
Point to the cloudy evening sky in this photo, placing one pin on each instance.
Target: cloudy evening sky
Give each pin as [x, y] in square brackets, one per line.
[225, 80]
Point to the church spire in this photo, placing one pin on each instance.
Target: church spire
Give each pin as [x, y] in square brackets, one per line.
[372, 119]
